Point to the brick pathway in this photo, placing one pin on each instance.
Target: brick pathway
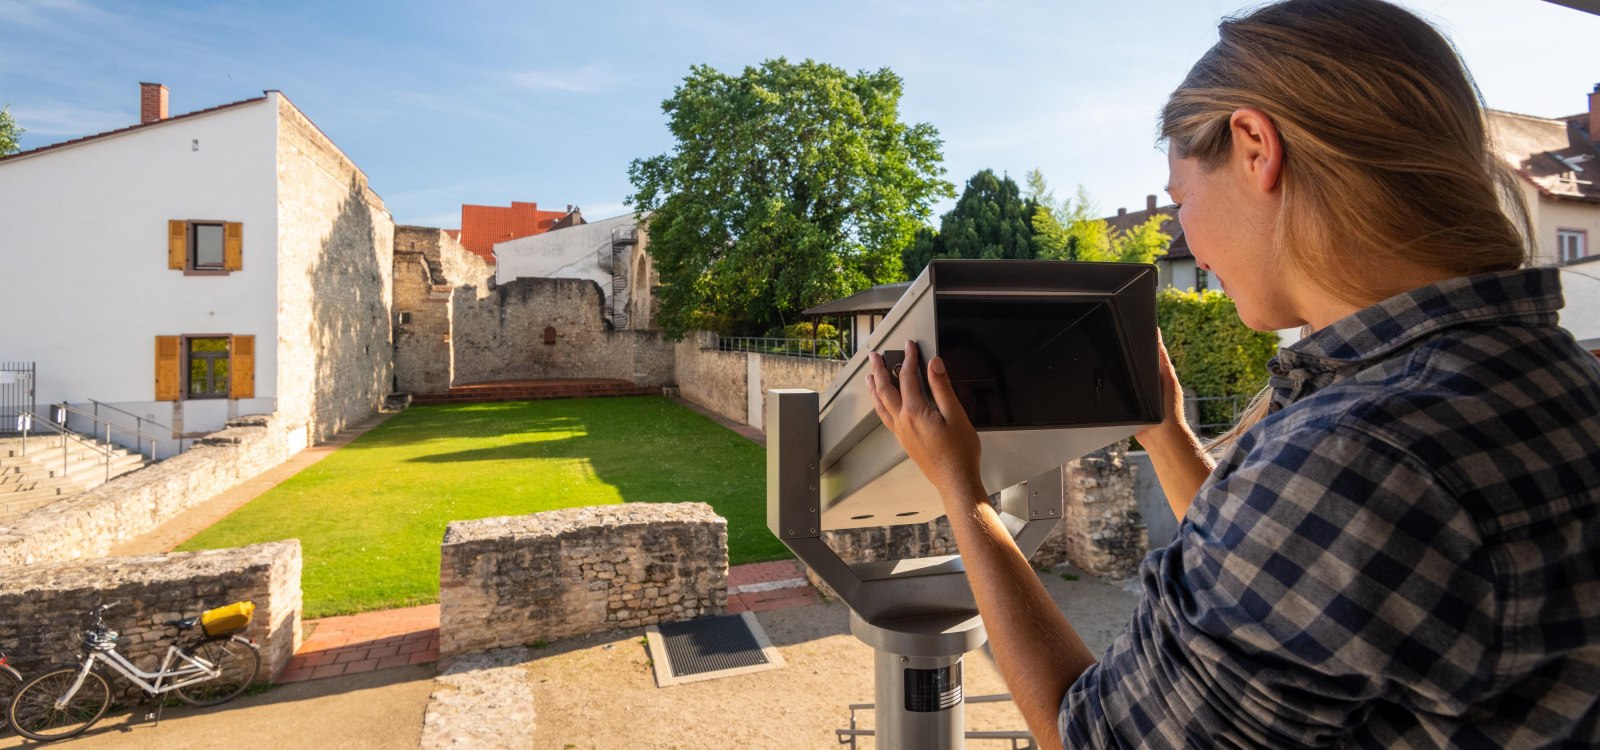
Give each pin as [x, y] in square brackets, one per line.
[365, 642]
[396, 637]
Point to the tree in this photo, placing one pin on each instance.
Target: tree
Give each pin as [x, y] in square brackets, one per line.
[991, 220]
[10, 134]
[789, 185]
[1073, 230]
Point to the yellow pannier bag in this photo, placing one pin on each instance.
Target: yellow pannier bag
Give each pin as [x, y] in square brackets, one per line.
[230, 619]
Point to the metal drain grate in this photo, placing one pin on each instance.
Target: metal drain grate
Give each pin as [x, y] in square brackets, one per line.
[710, 647]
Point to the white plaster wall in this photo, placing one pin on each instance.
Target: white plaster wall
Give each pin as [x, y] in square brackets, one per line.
[1580, 284]
[1552, 215]
[569, 253]
[83, 241]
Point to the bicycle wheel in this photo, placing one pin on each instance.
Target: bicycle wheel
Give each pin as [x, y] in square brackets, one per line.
[238, 660]
[34, 713]
[10, 681]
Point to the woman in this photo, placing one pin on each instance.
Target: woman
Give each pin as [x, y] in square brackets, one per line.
[1400, 546]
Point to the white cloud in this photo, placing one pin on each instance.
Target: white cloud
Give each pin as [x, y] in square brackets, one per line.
[585, 79]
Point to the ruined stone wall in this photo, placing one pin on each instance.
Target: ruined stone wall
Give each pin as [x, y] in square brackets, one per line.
[335, 283]
[501, 336]
[1101, 530]
[517, 580]
[43, 608]
[91, 524]
[428, 264]
[713, 379]
[794, 372]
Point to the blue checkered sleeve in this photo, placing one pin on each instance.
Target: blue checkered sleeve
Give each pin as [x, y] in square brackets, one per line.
[1326, 570]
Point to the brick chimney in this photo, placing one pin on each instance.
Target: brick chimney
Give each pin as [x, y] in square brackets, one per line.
[152, 102]
[1149, 203]
[1594, 114]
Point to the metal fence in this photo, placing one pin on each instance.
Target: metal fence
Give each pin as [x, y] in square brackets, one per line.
[16, 394]
[811, 348]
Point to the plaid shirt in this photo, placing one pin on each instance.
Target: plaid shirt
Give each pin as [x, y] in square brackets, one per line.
[1404, 553]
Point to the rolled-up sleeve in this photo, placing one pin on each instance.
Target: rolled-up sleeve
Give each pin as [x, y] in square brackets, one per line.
[1320, 575]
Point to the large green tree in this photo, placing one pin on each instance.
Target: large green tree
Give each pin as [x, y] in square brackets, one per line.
[1073, 230]
[790, 184]
[10, 133]
[991, 220]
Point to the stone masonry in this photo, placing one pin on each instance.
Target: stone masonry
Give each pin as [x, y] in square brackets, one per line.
[44, 608]
[90, 524]
[1101, 531]
[429, 265]
[537, 328]
[335, 258]
[518, 580]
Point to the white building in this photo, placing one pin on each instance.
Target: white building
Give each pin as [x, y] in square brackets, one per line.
[190, 269]
[611, 252]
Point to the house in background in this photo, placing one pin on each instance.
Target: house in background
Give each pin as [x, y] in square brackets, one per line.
[1558, 161]
[484, 226]
[613, 253]
[194, 268]
[1177, 268]
[864, 310]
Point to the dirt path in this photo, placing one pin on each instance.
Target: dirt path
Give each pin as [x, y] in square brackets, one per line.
[600, 693]
[360, 712]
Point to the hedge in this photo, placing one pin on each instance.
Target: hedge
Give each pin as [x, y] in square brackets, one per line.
[1214, 353]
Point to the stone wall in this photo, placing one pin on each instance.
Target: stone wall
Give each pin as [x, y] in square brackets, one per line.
[335, 284]
[713, 379]
[502, 336]
[90, 524]
[44, 608]
[428, 266]
[1101, 531]
[518, 580]
[794, 372]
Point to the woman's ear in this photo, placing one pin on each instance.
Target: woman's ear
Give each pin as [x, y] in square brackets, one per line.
[1257, 148]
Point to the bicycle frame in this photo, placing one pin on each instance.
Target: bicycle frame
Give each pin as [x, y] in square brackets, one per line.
[196, 670]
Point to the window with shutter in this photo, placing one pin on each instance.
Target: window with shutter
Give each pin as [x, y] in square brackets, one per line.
[205, 248]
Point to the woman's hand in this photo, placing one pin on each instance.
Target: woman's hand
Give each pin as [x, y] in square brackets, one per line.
[937, 436]
[1173, 429]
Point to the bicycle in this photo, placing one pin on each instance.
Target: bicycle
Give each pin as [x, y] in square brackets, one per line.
[212, 669]
[10, 680]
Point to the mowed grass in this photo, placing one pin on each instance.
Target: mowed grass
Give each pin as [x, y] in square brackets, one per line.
[370, 516]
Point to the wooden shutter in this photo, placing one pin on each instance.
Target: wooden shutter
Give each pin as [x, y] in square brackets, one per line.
[242, 368]
[169, 367]
[233, 246]
[177, 244]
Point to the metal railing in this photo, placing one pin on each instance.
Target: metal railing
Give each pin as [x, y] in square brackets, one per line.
[812, 348]
[27, 421]
[138, 428]
[1019, 739]
[16, 393]
[1206, 415]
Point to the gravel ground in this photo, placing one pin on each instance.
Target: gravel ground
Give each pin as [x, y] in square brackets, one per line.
[600, 692]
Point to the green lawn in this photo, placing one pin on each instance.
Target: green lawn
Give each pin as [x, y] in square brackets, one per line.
[370, 517]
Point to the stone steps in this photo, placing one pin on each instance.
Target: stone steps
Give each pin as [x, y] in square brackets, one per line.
[39, 477]
[534, 390]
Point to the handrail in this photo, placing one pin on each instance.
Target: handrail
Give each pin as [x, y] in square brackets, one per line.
[811, 348]
[61, 429]
[138, 426]
[96, 421]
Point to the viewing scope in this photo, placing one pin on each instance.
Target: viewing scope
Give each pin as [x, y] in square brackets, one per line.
[1051, 360]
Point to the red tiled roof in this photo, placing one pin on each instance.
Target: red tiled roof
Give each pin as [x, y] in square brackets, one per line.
[483, 226]
[138, 126]
[1180, 244]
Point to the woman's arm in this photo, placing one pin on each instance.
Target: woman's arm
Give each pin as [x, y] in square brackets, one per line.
[1039, 653]
[1181, 462]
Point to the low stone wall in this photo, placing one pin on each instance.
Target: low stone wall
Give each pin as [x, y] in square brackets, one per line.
[721, 381]
[713, 379]
[44, 608]
[90, 524]
[517, 580]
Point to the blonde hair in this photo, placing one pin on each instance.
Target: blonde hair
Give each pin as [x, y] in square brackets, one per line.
[1387, 157]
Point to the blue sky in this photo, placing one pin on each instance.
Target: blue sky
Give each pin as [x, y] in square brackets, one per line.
[489, 102]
